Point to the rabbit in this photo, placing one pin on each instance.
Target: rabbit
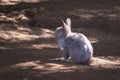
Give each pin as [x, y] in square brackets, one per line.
[75, 46]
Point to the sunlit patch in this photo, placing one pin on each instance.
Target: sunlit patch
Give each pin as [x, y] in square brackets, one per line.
[46, 33]
[32, 64]
[55, 67]
[25, 34]
[40, 46]
[115, 59]
[52, 67]
[13, 2]
[34, 1]
[6, 18]
[117, 8]
[103, 63]
[93, 40]
[14, 35]
[24, 29]
[86, 16]
[3, 48]
[38, 65]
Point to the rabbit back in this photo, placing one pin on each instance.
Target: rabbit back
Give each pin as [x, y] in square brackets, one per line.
[79, 47]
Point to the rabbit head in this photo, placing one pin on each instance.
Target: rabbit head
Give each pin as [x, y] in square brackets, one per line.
[65, 29]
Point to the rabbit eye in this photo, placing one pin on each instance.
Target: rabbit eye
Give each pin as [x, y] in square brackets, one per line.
[59, 30]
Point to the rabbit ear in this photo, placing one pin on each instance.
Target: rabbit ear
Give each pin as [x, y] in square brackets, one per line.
[64, 25]
[68, 22]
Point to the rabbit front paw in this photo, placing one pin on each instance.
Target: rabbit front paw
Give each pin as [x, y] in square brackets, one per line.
[69, 60]
[62, 59]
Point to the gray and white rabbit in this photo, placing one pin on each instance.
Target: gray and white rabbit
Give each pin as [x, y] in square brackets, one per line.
[75, 46]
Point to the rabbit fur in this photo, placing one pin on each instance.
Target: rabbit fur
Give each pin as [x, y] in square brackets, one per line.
[75, 46]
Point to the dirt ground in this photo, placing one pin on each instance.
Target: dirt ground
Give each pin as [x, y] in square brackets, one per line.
[28, 50]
